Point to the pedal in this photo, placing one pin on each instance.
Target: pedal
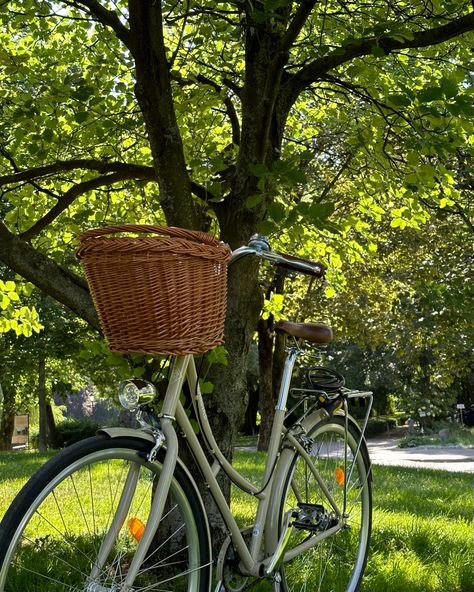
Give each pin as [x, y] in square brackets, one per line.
[314, 517]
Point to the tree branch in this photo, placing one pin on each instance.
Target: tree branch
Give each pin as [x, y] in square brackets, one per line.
[109, 18]
[319, 67]
[231, 112]
[62, 284]
[68, 198]
[101, 166]
[297, 23]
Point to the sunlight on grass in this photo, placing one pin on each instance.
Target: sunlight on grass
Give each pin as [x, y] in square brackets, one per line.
[15, 470]
[422, 525]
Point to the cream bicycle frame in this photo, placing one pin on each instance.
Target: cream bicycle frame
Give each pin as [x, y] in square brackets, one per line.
[274, 545]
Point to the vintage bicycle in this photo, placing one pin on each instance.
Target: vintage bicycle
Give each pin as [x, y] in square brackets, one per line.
[121, 512]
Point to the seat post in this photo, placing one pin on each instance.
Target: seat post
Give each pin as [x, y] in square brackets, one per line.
[292, 354]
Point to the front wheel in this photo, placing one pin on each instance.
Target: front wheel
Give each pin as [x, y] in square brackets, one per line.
[52, 537]
[337, 562]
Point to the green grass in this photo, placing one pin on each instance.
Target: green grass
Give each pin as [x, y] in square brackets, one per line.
[422, 533]
[422, 538]
[15, 470]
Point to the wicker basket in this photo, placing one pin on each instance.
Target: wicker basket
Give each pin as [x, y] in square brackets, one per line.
[159, 294]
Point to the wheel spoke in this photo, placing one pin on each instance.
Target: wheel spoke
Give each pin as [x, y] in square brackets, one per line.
[53, 546]
[337, 561]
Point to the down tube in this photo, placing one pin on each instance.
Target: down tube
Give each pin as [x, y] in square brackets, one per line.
[214, 488]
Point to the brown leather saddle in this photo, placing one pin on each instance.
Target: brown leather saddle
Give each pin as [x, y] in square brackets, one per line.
[312, 332]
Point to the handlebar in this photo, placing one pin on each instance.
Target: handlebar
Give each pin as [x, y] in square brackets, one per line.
[260, 247]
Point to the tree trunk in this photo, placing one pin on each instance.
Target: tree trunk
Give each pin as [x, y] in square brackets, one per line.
[271, 359]
[52, 436]
[43, 420]
[266, 397]
[7, 419]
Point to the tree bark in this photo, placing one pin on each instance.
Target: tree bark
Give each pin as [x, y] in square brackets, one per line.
[154, 94]
[51, 434]
[7, 419]
[43, 420]
[266, 397]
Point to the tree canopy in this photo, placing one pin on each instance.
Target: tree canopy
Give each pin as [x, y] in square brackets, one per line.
[316, 119]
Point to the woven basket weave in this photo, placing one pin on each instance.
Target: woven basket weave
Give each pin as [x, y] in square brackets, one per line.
[159, 294]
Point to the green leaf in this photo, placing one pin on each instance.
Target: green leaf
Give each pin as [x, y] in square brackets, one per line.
[277, 211]
[253, 200]
[218, 355]
[259, 170]
[81, 116]
[206, 387]
[378, 51]
[431, 93]
[329, 292]
[48, 135]
[449, 87]
[5, 303]
[399, 100]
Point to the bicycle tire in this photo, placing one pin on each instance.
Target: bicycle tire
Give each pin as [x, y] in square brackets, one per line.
[338, 562]
[50, 534]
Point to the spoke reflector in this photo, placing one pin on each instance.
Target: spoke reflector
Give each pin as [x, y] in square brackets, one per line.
[340, 476]
[136, 528]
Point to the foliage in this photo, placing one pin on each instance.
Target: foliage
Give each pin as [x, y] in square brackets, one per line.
[455, 436]
[74, 430]
[13, 316]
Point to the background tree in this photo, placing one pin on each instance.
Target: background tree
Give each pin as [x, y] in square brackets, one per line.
[31, 367]
[202, 115]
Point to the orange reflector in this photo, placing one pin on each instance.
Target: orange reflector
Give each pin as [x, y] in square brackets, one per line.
[136, 528]
[340, 476]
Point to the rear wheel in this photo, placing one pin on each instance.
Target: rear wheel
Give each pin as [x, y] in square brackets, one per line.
[51, 535]
[337, 562]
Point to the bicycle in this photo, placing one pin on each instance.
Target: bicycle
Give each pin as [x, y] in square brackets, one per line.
[120, 512]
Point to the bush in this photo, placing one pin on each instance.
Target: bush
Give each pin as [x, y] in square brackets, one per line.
[377, 426]
[70, 431]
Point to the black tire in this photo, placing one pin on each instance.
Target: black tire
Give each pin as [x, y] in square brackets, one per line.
[338, 562]
[50, 534]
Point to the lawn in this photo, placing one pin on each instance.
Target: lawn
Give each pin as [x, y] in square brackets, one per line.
[422, 528]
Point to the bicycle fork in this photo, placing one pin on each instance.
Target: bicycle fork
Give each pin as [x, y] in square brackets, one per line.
[159, 499]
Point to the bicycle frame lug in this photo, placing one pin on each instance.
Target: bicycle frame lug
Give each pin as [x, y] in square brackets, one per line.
[306, 442]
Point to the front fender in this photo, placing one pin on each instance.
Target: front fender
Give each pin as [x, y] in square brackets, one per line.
[148, 436]
[127, 433]
[115, 432]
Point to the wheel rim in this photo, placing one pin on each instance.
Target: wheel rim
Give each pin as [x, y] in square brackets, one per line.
[336, 563]
[56, 544]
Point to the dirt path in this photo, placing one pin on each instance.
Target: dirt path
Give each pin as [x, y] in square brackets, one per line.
[385, 451]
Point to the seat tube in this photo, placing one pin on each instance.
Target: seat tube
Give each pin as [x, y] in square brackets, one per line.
[280, 410]
[274, 446]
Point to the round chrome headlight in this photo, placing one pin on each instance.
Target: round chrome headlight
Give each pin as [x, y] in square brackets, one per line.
[134, 392]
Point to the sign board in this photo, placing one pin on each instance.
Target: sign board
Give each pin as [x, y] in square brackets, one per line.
[20, 431]
[422, 414]
[460, 406]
